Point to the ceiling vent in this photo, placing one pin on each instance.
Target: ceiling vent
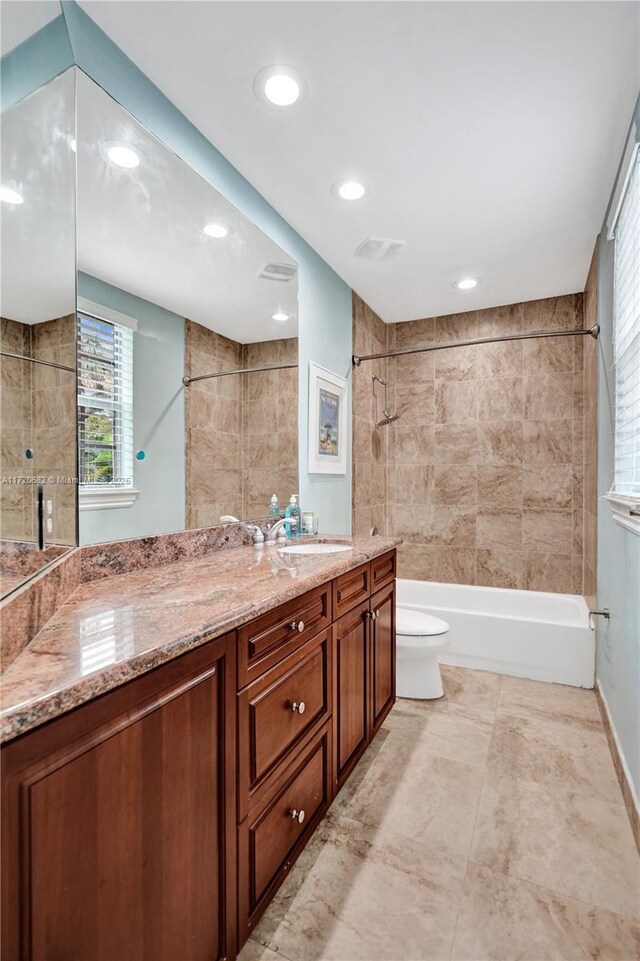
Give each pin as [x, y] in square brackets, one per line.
[280, 272]
[379, 248]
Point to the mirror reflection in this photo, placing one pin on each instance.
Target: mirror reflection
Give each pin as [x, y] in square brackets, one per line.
[174, 283]
[37, 361]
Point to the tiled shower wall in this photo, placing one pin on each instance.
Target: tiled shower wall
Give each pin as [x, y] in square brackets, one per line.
[485, 466]
[370, 444]
[269, 426]
[241, 431]
[39, 412]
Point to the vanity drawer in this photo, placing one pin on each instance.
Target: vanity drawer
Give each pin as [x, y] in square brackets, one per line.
[265, 641]
[270, 840]
[383, 570]
[277, 711]
[350, 589]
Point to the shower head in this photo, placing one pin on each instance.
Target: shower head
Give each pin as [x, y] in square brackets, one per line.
[387, 419]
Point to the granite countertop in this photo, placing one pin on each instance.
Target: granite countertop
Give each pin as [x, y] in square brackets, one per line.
[116, 628]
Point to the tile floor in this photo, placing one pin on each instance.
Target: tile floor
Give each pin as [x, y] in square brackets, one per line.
[487, 825]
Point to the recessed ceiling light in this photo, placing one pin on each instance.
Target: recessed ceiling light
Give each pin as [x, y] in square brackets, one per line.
[121, 155]
[467, 283]
[350, 189]
[216, 230]
[279, 85]
[9, 196]
[280, 315]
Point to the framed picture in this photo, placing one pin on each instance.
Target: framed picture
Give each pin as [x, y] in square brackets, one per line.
[327, 424]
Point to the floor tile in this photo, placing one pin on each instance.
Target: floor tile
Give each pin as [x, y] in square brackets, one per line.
[557, 701]
[359, 894]
[456, 732]
[254, 951]
[403, 786]
[576, 845]
[477, 690]
[504, 919]
[572, 757]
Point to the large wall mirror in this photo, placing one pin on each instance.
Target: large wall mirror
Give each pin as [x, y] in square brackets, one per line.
[149, 337]
[174, 283]
[38, 353]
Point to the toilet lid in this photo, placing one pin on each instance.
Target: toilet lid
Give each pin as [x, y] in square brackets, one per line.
[417, 624]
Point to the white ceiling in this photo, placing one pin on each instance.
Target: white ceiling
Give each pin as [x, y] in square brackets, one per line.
[141, 230]
[38, 262]
[19, 19]
[490, 132]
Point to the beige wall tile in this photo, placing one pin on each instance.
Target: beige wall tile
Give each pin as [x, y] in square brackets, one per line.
[456, 444]
[500, 399]
[549, 486]
[500, 486]
[414, 445]
[499, 360]
[455, 402]
[500, 442]
[548, 396]
[544, 571]
[499, 528]
[455, 485]
[547, 531]
[499, 568]
[547, 442]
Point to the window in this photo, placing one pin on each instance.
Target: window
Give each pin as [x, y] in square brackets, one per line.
[626, 327]
[105, 412]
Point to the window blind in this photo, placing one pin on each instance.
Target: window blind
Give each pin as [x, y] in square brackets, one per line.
[626, 338]
[105, 403]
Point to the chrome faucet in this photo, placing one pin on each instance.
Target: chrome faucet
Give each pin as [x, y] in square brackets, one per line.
[276, 531]
[256, 533]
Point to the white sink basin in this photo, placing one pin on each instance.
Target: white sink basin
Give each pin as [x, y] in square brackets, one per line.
[314, 548]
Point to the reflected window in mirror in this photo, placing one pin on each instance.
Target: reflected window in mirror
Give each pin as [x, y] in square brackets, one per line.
[105, 410]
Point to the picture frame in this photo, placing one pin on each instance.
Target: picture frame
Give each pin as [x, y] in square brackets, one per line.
[328, 436]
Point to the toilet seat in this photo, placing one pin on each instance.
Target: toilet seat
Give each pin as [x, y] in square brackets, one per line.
[418, 625]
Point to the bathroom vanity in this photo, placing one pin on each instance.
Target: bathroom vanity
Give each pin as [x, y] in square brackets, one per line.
[156, 819]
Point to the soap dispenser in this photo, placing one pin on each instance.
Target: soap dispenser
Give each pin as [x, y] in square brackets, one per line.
[274, 508]
[293, 511]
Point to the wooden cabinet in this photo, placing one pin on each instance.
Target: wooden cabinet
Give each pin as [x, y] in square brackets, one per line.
[279, 710]
[118, 826]
[265, 641]
[351, 722]
[273, 835]
[383, 654]
[156, 822]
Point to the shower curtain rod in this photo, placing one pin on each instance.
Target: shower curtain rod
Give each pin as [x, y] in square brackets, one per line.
[36, 360]
[580, 332]
[227, 373]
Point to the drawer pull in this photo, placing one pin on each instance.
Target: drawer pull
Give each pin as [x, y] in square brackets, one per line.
[299, 706]
[372, 615]
[296, 816]
[297, 626]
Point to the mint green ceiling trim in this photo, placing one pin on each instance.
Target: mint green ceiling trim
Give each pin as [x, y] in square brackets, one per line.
[34, 62]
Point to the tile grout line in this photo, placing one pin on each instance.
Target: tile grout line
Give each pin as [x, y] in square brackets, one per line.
[557, 894]
[475, 822]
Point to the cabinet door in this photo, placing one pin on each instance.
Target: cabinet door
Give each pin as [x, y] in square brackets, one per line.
[351, 719]
[383, 654]
[119, 821]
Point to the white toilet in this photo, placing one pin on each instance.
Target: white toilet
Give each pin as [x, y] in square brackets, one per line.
[420, 639]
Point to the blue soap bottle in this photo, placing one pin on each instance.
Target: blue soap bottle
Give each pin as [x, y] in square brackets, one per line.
[293, 511]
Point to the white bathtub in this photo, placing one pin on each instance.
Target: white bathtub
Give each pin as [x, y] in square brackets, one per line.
[545, 637]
